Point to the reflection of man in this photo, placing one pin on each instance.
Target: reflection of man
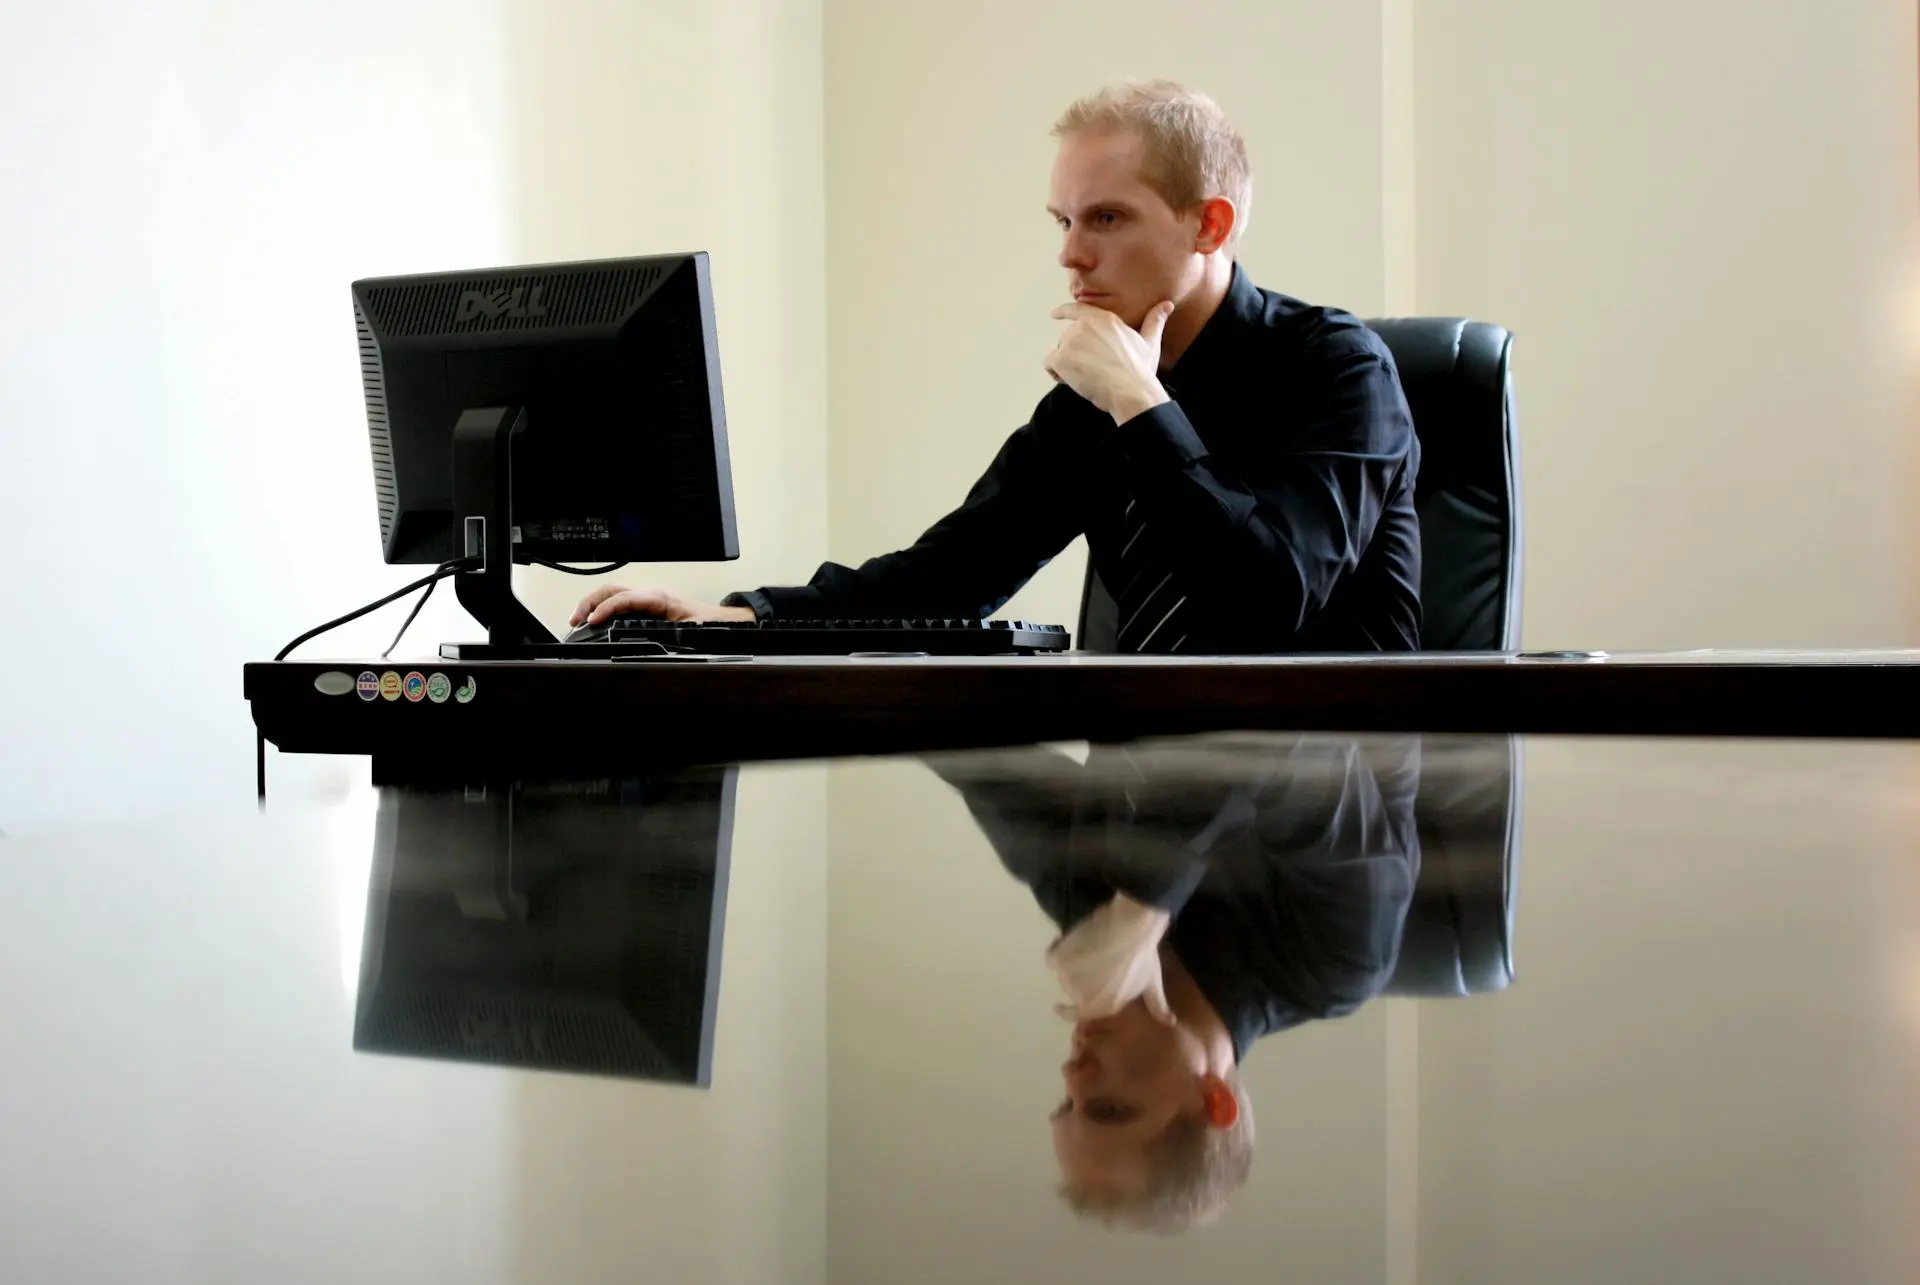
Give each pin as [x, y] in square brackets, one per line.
[1208, 894]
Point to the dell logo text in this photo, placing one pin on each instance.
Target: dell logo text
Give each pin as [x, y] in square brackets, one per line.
[520, 301]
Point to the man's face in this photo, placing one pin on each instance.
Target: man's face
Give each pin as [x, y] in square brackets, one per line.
[1125, 248]
[1127, 1077]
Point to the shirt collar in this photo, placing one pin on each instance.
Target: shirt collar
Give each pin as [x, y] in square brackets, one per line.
[1241, 307]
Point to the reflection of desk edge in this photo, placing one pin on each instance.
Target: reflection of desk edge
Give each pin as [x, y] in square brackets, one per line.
[556, 713]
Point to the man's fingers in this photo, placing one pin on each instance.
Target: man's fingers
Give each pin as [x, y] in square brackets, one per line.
[1072, 311]
[1052, 363]
[1156, 321]
[650, 602]
[1155, 997]
[599, 595]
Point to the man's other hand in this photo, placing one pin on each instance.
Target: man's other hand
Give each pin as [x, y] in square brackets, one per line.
[1110, 959]
[1107, 361]
[612, 600]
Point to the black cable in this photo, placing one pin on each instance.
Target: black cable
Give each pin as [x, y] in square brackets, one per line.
[582, 571]
[440, 573]
[419, 602]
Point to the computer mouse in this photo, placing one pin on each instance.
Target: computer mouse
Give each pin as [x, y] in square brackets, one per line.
[591, 633]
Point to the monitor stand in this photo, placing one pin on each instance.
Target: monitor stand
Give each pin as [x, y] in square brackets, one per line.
[483, 444]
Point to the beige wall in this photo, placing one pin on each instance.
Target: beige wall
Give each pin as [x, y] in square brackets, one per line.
[1698, 218]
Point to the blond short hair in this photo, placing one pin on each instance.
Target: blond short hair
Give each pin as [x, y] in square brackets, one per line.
[1193, 1170]
[1193, 153]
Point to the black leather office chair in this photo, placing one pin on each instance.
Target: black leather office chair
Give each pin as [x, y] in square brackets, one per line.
[1458, 379]
[1459, 385]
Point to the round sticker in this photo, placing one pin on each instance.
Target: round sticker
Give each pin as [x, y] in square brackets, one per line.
[439, 687]
[416, 686]
[333, 683]
[368, 685]
[390, 685]
[467, 690]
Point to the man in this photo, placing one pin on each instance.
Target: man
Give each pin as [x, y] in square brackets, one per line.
[1209, 893]
[1241, 463]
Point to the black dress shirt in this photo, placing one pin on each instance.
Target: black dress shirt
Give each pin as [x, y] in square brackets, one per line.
[1279, 479]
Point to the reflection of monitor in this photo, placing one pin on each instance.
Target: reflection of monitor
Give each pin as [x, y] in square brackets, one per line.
[554, 925]
[560, 413]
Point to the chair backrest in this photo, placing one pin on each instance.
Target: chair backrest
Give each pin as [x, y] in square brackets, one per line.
[1458, 378]
[1459, 385]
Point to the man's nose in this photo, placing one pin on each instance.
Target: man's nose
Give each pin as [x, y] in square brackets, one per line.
[1079, 1070]
[1073, 254]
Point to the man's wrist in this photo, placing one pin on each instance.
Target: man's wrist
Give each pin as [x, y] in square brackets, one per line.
[1138, 401]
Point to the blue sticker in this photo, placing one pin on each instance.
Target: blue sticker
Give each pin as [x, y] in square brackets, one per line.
[368, 685]
[415, 686]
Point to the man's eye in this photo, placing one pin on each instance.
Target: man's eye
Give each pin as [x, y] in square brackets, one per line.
[1106, 218]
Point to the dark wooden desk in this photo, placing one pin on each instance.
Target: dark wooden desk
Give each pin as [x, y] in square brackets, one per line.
[603, 712]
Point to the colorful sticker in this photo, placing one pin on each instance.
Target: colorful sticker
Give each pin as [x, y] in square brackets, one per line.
[390, 685]
[416, 686]
[468, 690]
[368, 685]
[333, 683]
[439, 687]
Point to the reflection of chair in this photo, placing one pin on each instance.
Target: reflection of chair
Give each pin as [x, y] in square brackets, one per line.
[1459, 386]
[1458, 938]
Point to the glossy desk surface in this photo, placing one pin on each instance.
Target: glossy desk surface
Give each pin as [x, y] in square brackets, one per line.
[1608, 1009]
[494, 712]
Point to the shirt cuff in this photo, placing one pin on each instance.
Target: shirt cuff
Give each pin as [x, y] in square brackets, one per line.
[762, 609]
[1160, 436]
[784, 602]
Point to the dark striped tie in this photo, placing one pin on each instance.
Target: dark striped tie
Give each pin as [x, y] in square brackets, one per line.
[1153, 615]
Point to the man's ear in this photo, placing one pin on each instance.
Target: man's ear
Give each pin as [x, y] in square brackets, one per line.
[1217, 1102]
[1217, 220]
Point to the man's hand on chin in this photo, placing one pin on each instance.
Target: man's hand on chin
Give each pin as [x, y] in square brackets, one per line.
[1108, 362]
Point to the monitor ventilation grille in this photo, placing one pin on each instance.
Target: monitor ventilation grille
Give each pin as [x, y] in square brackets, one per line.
[505, 303]
[379, 430]
[590, 1035]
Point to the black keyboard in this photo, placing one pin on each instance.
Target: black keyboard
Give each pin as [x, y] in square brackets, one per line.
[844, 637]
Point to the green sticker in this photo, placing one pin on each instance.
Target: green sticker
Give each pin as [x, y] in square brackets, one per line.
[466, 692]
[439, 687]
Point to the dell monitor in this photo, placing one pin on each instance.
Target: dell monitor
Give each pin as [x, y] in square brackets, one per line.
[557, 413]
